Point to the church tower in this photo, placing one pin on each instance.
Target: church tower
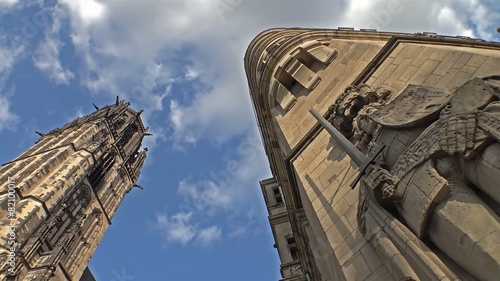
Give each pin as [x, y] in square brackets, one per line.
[59, 196]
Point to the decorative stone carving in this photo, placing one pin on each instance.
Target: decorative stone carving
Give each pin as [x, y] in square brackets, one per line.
[441, 167]
[348, 105]
[413, 107]
[295, 270]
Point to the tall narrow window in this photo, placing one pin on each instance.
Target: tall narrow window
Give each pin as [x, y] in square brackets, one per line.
[292, 247]
[127, 135]
[277, 196]
[101, 169]
[119, 123]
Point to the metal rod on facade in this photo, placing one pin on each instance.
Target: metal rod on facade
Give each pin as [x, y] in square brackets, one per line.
[357, 156]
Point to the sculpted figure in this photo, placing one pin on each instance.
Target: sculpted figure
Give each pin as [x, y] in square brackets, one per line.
[441, 167]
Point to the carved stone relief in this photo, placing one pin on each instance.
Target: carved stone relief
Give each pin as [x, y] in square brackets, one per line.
[295, 270]
[434, 183]
[348, 105]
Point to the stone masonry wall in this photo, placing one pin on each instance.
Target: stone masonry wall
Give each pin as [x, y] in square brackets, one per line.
[324, 170]
[352, 58]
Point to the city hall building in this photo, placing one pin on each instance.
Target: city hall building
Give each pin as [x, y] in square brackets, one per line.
[384, 150]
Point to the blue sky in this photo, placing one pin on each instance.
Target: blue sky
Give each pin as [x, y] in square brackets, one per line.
[201, 215]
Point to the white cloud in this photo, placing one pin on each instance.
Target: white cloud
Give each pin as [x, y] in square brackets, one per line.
[46, 56]
[473, 18]
[151, 142]
[8, 120]
[130, 35]
[9, 55]
[206, 195]
[232, 190]
[209, 235]
[450, 22]
[191, 73]
[46, 60]
[238, 232]
[89, 11]
[177, 228]
[83, 20]
[179, 120]
[8, 2]
[207, 113]
[483, 15]
[121, 38]
[230, 187]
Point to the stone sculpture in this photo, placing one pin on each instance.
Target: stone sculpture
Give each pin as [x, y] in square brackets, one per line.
[440, 171]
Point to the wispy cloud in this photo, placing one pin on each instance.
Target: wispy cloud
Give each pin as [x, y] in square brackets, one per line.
[474, 18]
[46, 57]
[209, 235]
[191, 73]
[179, 121]
[231, 191]
[151, 142]
[118, 39]
[238, 232]
[230, 187]
[88, 11]
[9, 55]
[480, 16]
[206, 195]
[8, 120]
[206, 115]
[8, 2]
[179, 228]
[118, 43]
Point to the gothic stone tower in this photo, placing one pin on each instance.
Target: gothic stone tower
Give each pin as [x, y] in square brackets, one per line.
[427, 207]
[58, 197]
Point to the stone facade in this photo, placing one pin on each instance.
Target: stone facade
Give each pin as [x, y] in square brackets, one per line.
[59, 196]
[427, 207]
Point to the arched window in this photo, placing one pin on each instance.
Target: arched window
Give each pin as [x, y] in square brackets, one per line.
[119, 123]
[292, 247]
[101, 168]
[127, 135]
